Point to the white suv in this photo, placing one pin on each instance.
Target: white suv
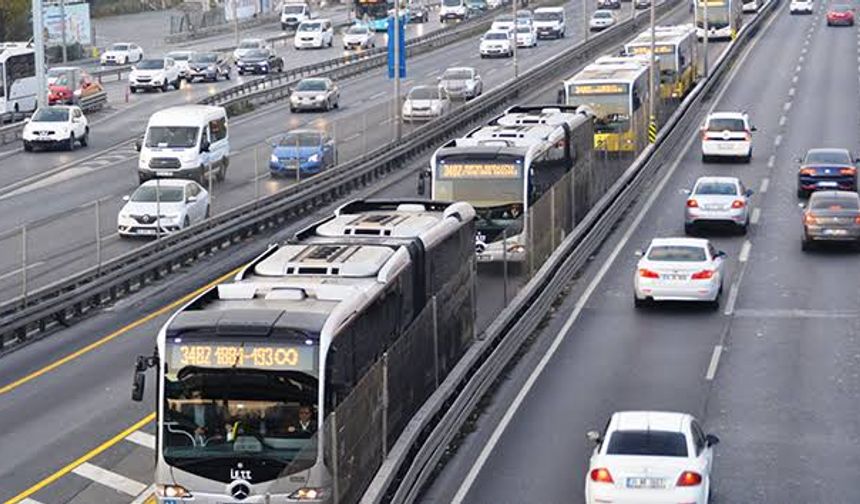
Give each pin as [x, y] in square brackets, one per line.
[497, 43]
[317, 33]
[57, 125]
[800, 7]
[155, 73]
[727, 134]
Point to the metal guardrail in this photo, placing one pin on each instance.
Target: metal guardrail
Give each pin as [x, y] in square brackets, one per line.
[424, 441]
[75, 296]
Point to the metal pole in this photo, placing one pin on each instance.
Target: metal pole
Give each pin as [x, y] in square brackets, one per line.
[435, 339]
[256, 174]
[652, 103]
[39, 43]
[63, 27]
[384, 404]
[158, 209]
[505, 264]
[236, 20]
[98, 237]
[516, 27]
[585, 18]
[24, 262]
[398, 127]
[706, 27]
[334, 461]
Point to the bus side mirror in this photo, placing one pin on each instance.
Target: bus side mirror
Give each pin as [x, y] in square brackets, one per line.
[560, 97]
[139, 383]
[422, 183]
[137, 145]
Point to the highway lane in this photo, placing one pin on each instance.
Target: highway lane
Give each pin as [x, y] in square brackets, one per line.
[61, 236]
[780, 395]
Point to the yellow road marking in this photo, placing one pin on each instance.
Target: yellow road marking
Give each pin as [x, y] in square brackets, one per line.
[85, 458]
[119, 332]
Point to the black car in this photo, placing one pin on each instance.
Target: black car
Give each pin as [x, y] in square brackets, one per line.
[609, 4]
[827, 169]
[208, 66]
[259, 61]
[418, 13]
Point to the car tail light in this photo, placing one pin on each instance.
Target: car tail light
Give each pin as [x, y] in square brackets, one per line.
[601, 475]
[738, 203]
[807, 171]
[702, 275]
[848, 171]
[689, 478]
[809, 219]
[857, 220]
[646, 273]
[748, 135]
[691, 203]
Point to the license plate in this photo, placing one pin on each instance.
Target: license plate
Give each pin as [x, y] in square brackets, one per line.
[712, 207]
[646, 483]
[672, 276]
[835, 232]
[164, 174]
[146, 231]
[726, 146]
[828, 184]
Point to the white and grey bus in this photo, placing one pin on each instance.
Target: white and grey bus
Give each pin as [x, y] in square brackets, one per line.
[250, 368]
[502, 168]
[18, 87]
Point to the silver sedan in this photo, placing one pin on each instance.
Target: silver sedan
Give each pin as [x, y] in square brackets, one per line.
[315, 94]
[717, 200]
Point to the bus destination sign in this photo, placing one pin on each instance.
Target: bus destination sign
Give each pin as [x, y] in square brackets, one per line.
[224, 355]
[480, 170]
[596, 89]
[658, 49]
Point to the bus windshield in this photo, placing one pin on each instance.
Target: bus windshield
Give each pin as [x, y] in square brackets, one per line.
[612, 111]
[373, 10]
[718, 17]
[262, 411]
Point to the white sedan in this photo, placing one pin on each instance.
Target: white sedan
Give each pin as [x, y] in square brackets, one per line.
[359, 36]
[679, 269]
[650, 457]
[800, 7]
[426, 102]
[122, 53]
[57, 125]
[526, 36]
[497, 43]
[601, 20]
[179, 203]
[727, 135]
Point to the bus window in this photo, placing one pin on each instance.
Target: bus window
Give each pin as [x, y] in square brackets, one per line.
[2, 80]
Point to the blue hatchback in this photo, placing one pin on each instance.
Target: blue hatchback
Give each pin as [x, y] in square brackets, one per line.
[310, 151]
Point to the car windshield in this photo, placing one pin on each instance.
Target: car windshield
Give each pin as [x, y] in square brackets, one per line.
[718, 188]
[119, 47]
[357, 30]
[294, 9]
[424, 93]
[451, 3]
[180, 56]
[726, 123]
[677, 253]
[841, 8]
[172, 136]
[310, 27]
[496, 36]
[311, 85]
[249, 44]
[547, 16]
[647, 443]
[257, 53]
[835, 203]
[823, 157]
[457, 75]
[524, 15]
[304, 139]
[204, 58]
[150, 64]
[51, 114]
[524, 29]
[602, 14]
[153, 193]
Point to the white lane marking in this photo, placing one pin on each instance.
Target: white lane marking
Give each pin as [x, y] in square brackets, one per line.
[803, 51]
[431, 73]
[796, 313]
[490, 445]
[715, 361]
[377, 95]
[794, 79]
[771, 161]
[141, 438]
[791, 92]
[110, 479]
[782, 120]
[756, 215]
[18, 271]
[801, 59]
[492, 70]
[145, 495]
[30, 501]
[733, 298]
[744, 256]
[798, 68]
[777, 140]
[786, 106]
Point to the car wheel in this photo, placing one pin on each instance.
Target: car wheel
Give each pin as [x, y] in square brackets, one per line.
[141, 178]
[71, 144]
[805, 245]
[208, 213]
[742, 228]
[164, 87]
[715, 304]
[132, 89]
[689, 229]
[293, 110]
[186, 223]
[28, 147]
[639, 303]
[337, 103]
[222, 171]
[706, 158]
[177, 84]
[125, 61]
[802, 193]
[227, 74]
[86, 138]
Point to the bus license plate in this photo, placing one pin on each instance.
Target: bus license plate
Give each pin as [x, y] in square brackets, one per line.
[485, 258]
[646, 483]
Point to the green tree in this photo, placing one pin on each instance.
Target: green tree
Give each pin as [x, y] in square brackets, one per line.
[15, 21]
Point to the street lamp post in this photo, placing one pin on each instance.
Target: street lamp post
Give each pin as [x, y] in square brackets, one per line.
[652, 112]
[398, 109]
[63, 27]
[706, 27]
[39, 43]
[516, 27]
[236, 20]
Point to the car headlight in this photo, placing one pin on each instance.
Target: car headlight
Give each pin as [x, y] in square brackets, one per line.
[314, 158]
[436, 107]
[171, 491]
[124, 216]
[273, 159]
[211, 68]
[309, 493]
[294, 98]
[319, 98]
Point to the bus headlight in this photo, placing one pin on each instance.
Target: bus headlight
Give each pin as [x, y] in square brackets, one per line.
[171, 491]
[308, 493]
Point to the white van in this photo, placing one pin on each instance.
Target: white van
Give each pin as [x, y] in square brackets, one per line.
[188, 142]
[318, 33]
[293, 13]
[452, 10]
[549, 22]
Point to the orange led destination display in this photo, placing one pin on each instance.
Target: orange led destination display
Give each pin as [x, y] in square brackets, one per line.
[659, 49]
[222, 355]
[480, 170]
[593, 89]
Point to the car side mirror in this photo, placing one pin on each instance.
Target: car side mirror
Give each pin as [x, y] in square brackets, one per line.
[594, 436]
[439, 78]
[712, 440]
[802, 205]
[753, 128]
[720, 253]
[638, 253]
[137, 145]
[798, 160]
[688, 191]
[138, 386]
[126, 197]
[191, 199]
[748, 193]
[204, 146]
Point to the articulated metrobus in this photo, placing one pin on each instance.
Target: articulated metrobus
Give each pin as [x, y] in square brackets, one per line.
[725, 18]
[676, 48]
[378, 13]
[18, 87]
[618, 95]
[504, 167]
[248, 370]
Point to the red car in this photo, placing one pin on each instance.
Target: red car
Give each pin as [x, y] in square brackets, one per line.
[67, 85]
[840, 14]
